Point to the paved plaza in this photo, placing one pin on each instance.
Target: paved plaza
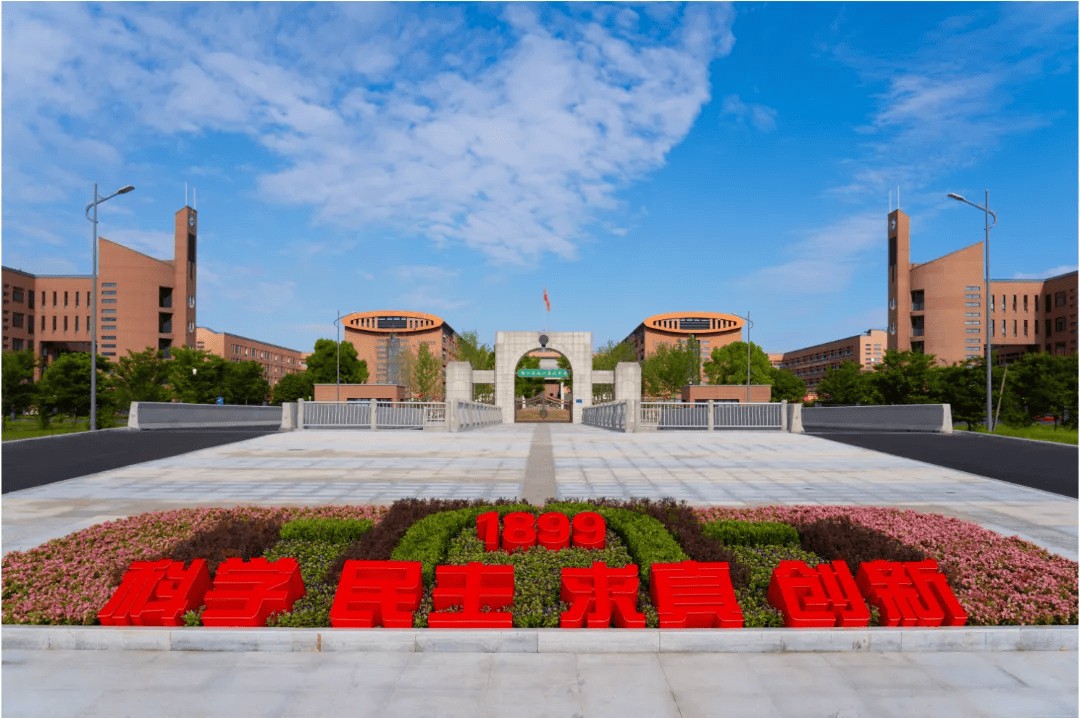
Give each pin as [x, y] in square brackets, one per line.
[707, 469]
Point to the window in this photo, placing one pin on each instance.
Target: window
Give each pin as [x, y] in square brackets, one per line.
[918, 300]
[973, 296]
[87, 299]
[54, 299]
[1059, 299]
[76, 299]
[1014, 327]
[992, 303]
[43, 300]
[76, 321]
[17, 344]
[108, 327]
[30, 324]
[16, 320]
[1036, 323]
[1048, 332]
[976, 321]
[30, 296]
[108, 346]
[109, 293]
[974, 331]
[993, 328]
[54, 323]
[1059, 324]
[16, 294]
[1002, 302]
[108, 284]
[108, 354]
[43, 322]
[108, 311]
[972, 341]
[972, 289]
[1036, 302]
[972, 314]
[65, 299]
[1025, 327]
[1025, 302]
[971, 304]
[1014, 302]
[109, 338]
[108, 301]
[65, 323]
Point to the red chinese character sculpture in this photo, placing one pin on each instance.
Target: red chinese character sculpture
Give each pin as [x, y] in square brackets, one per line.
[245, 593]
[487, 530]
[599, 595]
[913, 593]
[589, 530]
[472, 587]
[694, 595]
[821, 597]
[157, 593]
[377, 593]
[519, 531]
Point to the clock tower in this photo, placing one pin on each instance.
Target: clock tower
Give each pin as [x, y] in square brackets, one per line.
[899, 268]
[185, 263]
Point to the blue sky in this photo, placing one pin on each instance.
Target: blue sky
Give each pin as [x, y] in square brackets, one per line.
[457, 159]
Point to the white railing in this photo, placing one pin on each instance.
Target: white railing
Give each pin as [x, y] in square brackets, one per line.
[674, 415]
[374, 415]
[472, 415]
[679, 415]
[606, 416]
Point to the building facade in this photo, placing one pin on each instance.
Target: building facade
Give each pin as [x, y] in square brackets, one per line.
[938, 307]
[810, 363]
[276, 361]
[143, 302]
[709, 329]
[383, 338]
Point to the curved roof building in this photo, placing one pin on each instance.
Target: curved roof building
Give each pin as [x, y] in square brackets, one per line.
[381, 336]
[711, 329]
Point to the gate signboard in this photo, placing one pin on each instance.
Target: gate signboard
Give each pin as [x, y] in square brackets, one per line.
[544, 373]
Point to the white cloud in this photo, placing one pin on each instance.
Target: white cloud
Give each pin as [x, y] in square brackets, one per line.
[762, 117]
[1052, 272]
[155, 243]
[513, 149]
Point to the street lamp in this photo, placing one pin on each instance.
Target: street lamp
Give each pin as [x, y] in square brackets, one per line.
[98, 199]
[337, 323]
[749, 326]
[986, 297]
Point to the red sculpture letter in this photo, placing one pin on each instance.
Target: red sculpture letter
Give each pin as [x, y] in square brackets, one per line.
[487, 530]
[245, 593]
[820, 597]
[589, 530]
[519, 531]
[913, 593]
[600, 594]
[157, 593]
[694, 595]
[554, 534]
[472, 587]
[377, 593]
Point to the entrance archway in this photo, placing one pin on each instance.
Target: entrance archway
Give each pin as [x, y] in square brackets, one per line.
[540, 399]
[510, 347]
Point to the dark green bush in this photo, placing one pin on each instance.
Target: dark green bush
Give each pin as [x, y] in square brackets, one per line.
[839, 538]
[230, 538]
[329, 530]
[313, 557]
[752, 533]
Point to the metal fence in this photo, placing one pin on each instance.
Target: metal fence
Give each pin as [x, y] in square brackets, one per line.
[606, 416]
[677, 415]
[472, 415]
[387, 415]
[748, 416]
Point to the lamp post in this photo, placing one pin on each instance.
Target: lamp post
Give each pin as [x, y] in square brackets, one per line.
[749, 326]
[93, 302]
[986, 298]
[337, 323]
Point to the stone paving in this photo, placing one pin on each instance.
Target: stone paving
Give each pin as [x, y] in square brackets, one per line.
[731, 469]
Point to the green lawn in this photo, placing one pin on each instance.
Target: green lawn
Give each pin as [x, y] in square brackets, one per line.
[1038, 432]
[27, 427]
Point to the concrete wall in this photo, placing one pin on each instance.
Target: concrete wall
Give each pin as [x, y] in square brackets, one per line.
[165, 415]
[905, 417]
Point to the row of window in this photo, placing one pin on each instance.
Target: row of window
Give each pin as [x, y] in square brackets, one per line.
[1060, 299]
[258, 354]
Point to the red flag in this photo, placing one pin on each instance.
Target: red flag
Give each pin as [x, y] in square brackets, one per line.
[548, 303]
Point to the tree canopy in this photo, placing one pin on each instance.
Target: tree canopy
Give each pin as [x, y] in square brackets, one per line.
[846, 385]
[669, 369]
[787, 387]
[143, 376]
[427, 374]
[323, 363]
[903, 378]
[65, 387]
[292, 387]
[727, 365]
[196, 376]
[18, 381]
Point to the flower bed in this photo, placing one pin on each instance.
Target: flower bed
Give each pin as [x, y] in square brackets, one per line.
[997, 580]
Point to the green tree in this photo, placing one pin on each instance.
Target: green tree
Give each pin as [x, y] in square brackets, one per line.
[1040, 384]
[963, 388]
[904, 378]
[18, 387]
[143, 376]
[846, 385]
[787, 387]
[669, 369]
[528, 387]
[197, 377]
[292, 387]
[245, 383]
[468, 348]
[727, 365]
[427, 374]
[323, 362]
[607, 358]
[65, 387]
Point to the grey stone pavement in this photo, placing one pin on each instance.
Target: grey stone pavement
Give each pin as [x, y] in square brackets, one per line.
[729, 469]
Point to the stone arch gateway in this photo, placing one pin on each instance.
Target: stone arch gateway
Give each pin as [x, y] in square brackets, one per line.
[510, 347]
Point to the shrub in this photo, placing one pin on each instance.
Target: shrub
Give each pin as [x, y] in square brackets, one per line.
[760, 562]
[838, 538]
[326, 530]
[752, 533]
[245, 538]
[314, 558]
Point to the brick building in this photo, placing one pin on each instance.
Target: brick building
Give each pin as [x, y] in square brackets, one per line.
[142, 301]
[710, 329]
[938, 307]
[381, 338]
[810, 363]
[276, 361]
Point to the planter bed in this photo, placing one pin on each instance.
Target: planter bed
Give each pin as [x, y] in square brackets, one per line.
[997, 580]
